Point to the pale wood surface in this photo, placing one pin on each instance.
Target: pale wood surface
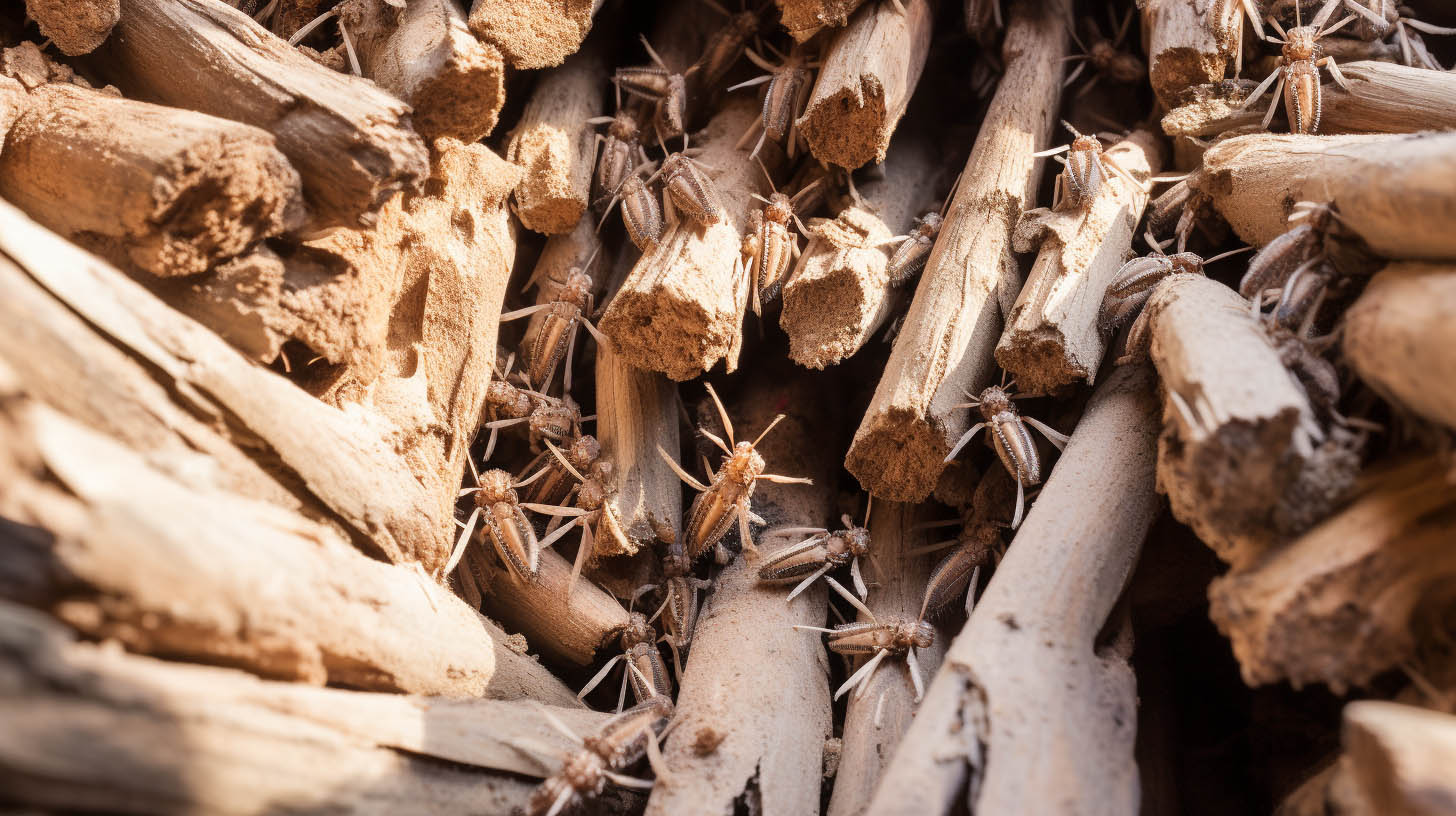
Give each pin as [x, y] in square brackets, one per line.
[1399, 335]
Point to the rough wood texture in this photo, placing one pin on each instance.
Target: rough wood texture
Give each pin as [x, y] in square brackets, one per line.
[865, 83]
[1052, 338]
[741, 739]
[426, 56]
[350, 141]
[89, 728]
[570, 630]
[556, 146]
[636, 412]
[1031, 711]
[1398, 336]
[1181, 45]
[533, 33]
[680, 310]
[805, 18]
[875, 724]
[76, 26]
[839, 294]
[1344, 602]
[1392, 191]
[1397, 759]
[945, 345]
[1242, 458]
[167, 191]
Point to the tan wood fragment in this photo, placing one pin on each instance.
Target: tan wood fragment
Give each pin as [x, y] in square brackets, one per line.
[556, 146]
[1398, 334]
[566, 630]
[636, 412]
[533, 33]
[1393, 191]
[945, 345]
[75, 26]
[1397, 759]
[90, 728]
[350, 141]
[1343, 603]
[875, 723]
[865, 83]
[681, 308]
[1030, 711]
[1052, 338]
[1182, 47]
[167, 191]
[805, 18]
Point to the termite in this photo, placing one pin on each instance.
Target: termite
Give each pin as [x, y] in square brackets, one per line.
[788, 89]
[977, 543]
[593, 496]
[1134, 282]
[666, 88]
[821, 552]
[556, 419]
[555, 486]
[505, 524]
[913, 250]
[1378, 19]
[727, 496]
[567, 311]
[1274, 264]
[1087, 167]
[888, 638]
[1105, 56]
[1297, 72]
[687, 188]
[621, 152]
[617, 745]
[1181, 209]
[1011, 440]
[723, 49]
[776, 246]
[645, 671]
[680, 606]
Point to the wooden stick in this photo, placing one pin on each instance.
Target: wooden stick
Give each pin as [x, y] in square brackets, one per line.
[1027, 679]
[840, 293]
[1397, 333]
[1240, 441]
[736, 739]
[566, 630]
[90, 728]
[1342, 603]
[1182, 47]
[805, 18]
[134, 555]
[533, 33]
[875, 723]
[167, 191]
[76, 26]
[350, 141]
[636, 412]
[945, 346]
[680, 310]
[555, 144]
[426, 56]
[1391, 191]
[865, 83]
[1397, 759]
[1052, 338]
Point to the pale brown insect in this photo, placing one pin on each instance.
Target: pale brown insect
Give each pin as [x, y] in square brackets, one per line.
[1011, 440]
[567, 311]
[1105, 56]
[1135, 281]
[687, 188]
[505, 524]
[776, 245]
[621, 153]
[681, 603]
[1298, 74]
[1086, 168]
[1182, 209]
[913, 250]
[821, 552]
[1297, 249]
[645, 671]
[977, 543]
[555, 486]
[599, 518]
[788, 89]
[723, 49]
[641, 214]
[618, 744]
[1226, 20]
[888, 638]
[664, 87]
[727, 496]
[506, 405]
[1378, 19]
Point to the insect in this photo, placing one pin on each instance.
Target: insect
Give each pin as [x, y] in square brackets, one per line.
[1182, 209]
[505, 523]
[788, 89]
[1135, 281]
[1378, 19]
[599, 518]
[1302, 356]
[978, 541]
[727, 496]
[891, 637]
[556, 485]
[645, 671]
[681, 604]
[506, 405]
[1087, 167]
[913, 250]
[617, 745]
[821, 552]
[1010, 439]
[621, 152]
[662, 86]
[1296, 249]
[1105, 56]
[641, 214]
[1226, 20]
[687, 188]
[1298, 74]
[723, 49]
[565, 313]
[776, 246]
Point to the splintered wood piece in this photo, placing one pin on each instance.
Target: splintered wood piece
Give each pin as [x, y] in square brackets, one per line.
[841, 293]
[426, 56]
[1028, 679]
[1242, 458]
[876, 720]
[167, 191]
[350, 141]
[805, 18]
[866, 82]
[681, 308]
[1052, 338]
[1392, 191]
[945, 346]
[636, 412]
[1344, 602]
[1183, 48]
[533, 33]
[741, 737]
[566, 629]
[91, 728]
[555, 144]
[1398, 336]
[76, 26]
[134, 555]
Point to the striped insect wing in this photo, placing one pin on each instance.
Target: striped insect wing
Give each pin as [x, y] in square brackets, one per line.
[649, 665]
[909, 258]
[1271, 266]
[709, 520]
[860, 638]
[1302, 97]
[682, 610]
[641, 214]
[514, 541]
[775, 252]
[949, 579]
[622, 739]
[672, 108]
[795, 563]
[781, 101]
[644, 81]
[1131, 288]
[613, 168]
[1014, 446]
[551, 339]
[1083, 177]
[692, 192]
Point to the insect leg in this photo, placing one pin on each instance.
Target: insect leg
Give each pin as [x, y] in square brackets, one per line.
[562, 799]
[526, 312]
[971, 590]
[744, 532]
[915, 674]
[1020, 504]
[1329, 62]
[861, 676]
[965, 438]
[804, 584]
[1269, 114]
[600, 676]
[587, 545]
[629, 781]
[1261, 89]
[462, 541]
[853, 601]
[1053, 435]
[854, 575]
[681, 474]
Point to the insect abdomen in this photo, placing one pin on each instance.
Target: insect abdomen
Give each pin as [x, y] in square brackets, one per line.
[1014, 446]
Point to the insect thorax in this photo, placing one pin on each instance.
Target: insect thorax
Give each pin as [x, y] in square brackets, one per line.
[995, 401]
[743, 466]
[495, 488]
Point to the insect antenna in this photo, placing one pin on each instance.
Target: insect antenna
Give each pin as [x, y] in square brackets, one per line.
[723, 413]
[849, 596]
[776, 420]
